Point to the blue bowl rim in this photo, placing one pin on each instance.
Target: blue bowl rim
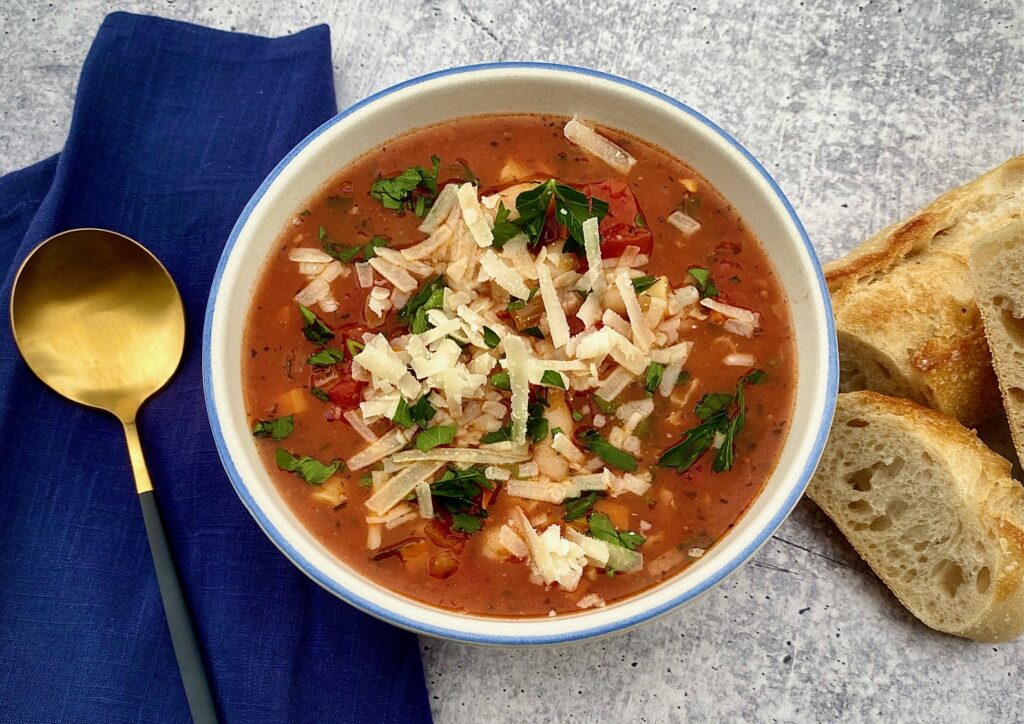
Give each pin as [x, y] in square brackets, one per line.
[374, 609]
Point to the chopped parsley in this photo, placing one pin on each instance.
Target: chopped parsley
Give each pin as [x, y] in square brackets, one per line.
[429, 296]
[705, 284]
[606, 407]
[572, 208]
[491, 338]
[313, 328]
[652, 377]
[642, 284]
[435, 436]
[578, 507]
[277, 429]
[534, 332]
[420, 413]
[501, 381]
[459, 491]
[366, 480]
[502, 434]
[412, 190]
[551, 378]
[309, 469]
[504, 230]
[347, 254]
[577, 415]
[639, 222]
[713, 409]
[517, 304]
[616, 457]
[536, 423]
[602, 529]
[326, 357]
[319, 394]
[354, 347]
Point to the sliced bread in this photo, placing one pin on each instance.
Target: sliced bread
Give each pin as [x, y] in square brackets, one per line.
[997, 270]
[931, 509]
[904, 302]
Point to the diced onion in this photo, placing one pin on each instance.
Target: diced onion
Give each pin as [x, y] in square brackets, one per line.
[594, 143]
[728, 310]
[743, 329]
[364, 274]
[305, 254]
[736, 359]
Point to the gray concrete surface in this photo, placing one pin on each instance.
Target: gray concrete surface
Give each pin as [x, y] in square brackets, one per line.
[862, 111]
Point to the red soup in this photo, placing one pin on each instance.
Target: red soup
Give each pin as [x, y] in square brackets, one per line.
[516, 366]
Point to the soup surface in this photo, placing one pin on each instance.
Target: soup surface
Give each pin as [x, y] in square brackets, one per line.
[509, 373]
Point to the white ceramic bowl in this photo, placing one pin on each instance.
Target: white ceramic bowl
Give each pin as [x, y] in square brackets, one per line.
[520, 88]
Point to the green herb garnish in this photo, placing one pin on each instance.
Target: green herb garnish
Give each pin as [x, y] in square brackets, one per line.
[504, 230]
[501, 381]
[606, 407]
[713, 409]
[313, 328]
[642, 284]
[491, 338]
[326, 357]
[551, 378]
[354, 347]
[517, 304]
[319, 394]
[458, 492]
[429, 296]
[652, 377]
[502, 434]
[346, 254]
[533, 332]
[602, 529]
[576, 508]
[616, 457]
[309, 469]
[705, 284]
[572, 208]
[277, 429]
[366, 480]
[412, 190]
[435, 436]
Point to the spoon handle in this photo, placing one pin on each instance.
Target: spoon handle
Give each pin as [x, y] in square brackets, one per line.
[183, 637]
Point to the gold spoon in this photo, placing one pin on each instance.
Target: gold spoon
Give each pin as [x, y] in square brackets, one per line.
[99, 319]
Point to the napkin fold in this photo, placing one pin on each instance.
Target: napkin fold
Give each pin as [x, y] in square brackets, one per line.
[174, 127]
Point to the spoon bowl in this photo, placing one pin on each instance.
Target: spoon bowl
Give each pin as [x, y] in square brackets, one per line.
[98, 318]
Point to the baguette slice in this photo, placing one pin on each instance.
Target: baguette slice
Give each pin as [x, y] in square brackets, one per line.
[997, 269]
[931, 509]
[906, 318]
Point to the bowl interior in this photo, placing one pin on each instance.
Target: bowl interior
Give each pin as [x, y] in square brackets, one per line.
[520, 88]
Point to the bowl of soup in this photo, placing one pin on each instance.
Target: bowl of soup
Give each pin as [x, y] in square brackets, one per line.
[519, 354]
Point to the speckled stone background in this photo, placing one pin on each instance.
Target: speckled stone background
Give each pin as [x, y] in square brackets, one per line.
[862, 112]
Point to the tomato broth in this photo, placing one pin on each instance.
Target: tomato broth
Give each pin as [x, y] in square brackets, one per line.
[667, 508]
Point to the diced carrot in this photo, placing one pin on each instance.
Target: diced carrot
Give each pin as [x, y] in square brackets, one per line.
[292, 402]
[617, 513]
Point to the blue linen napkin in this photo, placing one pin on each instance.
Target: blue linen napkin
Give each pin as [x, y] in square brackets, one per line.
[174, 127]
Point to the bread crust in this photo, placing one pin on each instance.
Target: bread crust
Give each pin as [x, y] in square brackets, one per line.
[904, 301]
[997, 270]
[984, 492]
